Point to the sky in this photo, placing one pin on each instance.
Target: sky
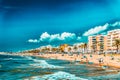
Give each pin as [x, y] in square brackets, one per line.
[26, 24]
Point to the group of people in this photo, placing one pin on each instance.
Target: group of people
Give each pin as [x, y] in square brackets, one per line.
[100, 61]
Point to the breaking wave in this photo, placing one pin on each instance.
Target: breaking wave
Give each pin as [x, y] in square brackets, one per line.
[57, 76]
[42, 63]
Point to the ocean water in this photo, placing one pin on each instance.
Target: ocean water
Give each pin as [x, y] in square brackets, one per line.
[33, 68]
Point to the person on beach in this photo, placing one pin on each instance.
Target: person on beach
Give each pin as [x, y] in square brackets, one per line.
[90, 55]
[112, 57]
[62, 53]
[84, 56]
[101, 61]
[87, 61]
[105, 53]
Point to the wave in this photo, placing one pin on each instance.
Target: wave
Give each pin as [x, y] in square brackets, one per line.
[58, 76]
[29, 58]
[8, 59]
[62, 75]
[43, 64]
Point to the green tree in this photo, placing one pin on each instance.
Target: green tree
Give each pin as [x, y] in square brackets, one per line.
[75, 48]
[101, 45]
[116, 44]
[85, 47]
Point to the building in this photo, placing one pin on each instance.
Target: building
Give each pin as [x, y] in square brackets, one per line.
[96, 43]
[111, 36]
[104, 43]
[91, 43]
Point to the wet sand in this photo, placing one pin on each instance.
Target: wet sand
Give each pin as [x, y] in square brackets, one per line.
[107, 60]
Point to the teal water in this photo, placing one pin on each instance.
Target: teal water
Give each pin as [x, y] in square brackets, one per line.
[33, 68]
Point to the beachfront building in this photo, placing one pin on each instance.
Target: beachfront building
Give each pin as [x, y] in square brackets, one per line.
[104, 43]
[111, 37]
[91, 43]
[96, 43]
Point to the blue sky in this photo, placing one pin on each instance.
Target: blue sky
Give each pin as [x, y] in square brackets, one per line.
[21, 20]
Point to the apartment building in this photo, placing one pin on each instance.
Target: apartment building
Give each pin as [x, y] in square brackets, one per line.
[111, 36]
[97, 43]
[104, 42]
[91, 43]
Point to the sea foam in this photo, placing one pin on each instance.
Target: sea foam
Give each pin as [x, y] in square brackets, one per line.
[57, 76]
[29, 58]
[43, 64]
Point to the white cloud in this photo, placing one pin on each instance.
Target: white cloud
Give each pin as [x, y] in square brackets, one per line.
[55, 37]
[96, 30]
[116, 24]
[44, 36]
[65, 36]
[78, 38]
[72, 37]
[33, 40]
[99, 29]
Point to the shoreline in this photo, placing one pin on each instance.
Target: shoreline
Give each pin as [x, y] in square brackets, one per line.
[93, 61]
[108, 71]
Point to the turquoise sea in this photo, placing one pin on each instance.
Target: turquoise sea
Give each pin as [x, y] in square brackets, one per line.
[33, 68]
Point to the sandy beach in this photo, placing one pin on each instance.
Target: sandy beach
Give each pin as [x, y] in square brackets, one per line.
[86, 58]
[58, 66]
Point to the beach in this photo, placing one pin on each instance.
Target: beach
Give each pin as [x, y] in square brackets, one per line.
[84, 58]
[55, 66]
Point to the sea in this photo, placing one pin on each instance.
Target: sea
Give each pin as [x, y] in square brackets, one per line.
[35, 68]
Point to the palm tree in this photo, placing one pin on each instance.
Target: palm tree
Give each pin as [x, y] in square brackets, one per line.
[117, 44]
[69, 50]
[82, 47]
[85, 47]
[54, 50]
[101, 45]
[75, 48]
[42, 50]
[79, 46]
[57, 50]
[62, 49]
[48, 49]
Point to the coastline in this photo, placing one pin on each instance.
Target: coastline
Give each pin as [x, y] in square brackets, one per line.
[94, 60]
[73, 60]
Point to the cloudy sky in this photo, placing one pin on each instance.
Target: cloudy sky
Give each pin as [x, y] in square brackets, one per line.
[31, 23]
